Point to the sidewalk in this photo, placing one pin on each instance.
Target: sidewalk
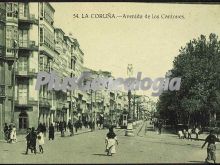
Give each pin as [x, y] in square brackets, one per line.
[21, 137]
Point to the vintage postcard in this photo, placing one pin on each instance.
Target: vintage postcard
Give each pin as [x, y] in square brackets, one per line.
[109, 82]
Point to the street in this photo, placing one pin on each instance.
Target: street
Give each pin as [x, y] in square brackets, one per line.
[89, 147]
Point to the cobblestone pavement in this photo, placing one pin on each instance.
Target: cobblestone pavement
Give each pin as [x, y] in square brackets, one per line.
[88, 147]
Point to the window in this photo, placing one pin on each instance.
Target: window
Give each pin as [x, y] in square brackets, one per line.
[2, 34]
[23, 10]
[23, 38]
[41, 63]
[41, 10]
[48, 14]
[22, 63]
[12, 10]
[11, 36]
[23, 120]
[41, 35]
[15, 12]
[9, 9]
[22, 92]
[48, 39]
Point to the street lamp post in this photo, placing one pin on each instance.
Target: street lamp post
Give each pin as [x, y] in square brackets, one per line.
[134, 107]
[91, 108]
[15, 44]
[129, 103]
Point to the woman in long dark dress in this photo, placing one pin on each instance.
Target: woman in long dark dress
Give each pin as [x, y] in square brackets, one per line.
[111, 140]
[33, 140]
[51, 132]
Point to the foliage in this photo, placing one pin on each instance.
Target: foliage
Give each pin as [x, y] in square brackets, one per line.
[198, 65]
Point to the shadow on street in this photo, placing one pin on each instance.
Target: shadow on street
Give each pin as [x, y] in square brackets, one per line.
[100, 154]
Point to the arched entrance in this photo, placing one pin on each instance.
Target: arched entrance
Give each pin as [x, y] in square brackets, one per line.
[23, 120]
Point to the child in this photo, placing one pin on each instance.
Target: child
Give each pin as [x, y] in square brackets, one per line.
[40, 139]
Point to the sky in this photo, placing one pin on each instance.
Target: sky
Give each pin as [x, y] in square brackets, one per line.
[150, 45]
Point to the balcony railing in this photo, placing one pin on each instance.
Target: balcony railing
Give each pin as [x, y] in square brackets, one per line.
[30, 19]
[26, 73]
[27, 45]
[46, 50]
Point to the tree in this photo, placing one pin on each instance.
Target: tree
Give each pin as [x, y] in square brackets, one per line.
[199, 96]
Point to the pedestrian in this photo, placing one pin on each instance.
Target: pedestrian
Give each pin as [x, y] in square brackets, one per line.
[93, 125]
[51, 132]
[28, 138]
[90, 125]
[97, 123]
[80, 124]
[57, 126]
[33, 138]
[211, 139]
[180, 133]
[189, 133]
[111, 141]
[62, 129]
[44, 129]
[40, 140]
[64, 122]
[70, 127]
[159, 127]
[76, 125]
[185, 133]
[10, 134]
[6, 132]
[13, 134]
[40, 127]
[197, 133]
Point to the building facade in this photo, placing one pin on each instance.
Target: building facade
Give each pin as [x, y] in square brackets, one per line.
[30, 43]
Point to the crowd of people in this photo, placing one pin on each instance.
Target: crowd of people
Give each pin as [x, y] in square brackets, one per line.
[187, 133]
[10, 133]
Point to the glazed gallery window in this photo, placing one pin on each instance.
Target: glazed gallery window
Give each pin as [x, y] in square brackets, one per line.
[44, 64]
[2, 34]
[12, 10]
[41, 61]
[22, 64]
[23, 10]
[23, 38]
[47, 37]
[23, 120]
[11, 37]
[48, 14]
[41, 10]
[41, 35]
[22, 92]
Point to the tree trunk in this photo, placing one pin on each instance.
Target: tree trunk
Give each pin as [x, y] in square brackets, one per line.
[189, 117]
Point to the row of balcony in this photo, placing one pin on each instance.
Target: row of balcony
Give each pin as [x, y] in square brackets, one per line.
[11, 53]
